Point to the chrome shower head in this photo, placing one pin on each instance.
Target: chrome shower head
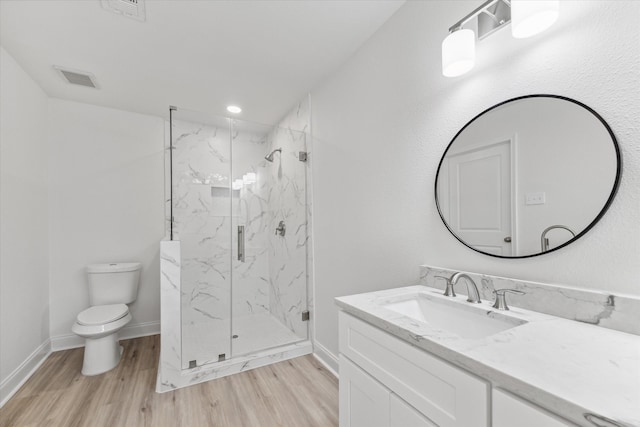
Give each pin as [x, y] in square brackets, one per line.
[269, 157]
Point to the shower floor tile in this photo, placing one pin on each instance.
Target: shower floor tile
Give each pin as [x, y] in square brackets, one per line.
[258, 332]
[254, 332]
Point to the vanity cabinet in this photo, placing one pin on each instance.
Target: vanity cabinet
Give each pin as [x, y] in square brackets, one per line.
[366, 399]
[403, 414]
[385, 381]
[371, 404]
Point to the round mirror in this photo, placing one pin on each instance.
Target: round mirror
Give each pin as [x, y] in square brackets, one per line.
[528, 176]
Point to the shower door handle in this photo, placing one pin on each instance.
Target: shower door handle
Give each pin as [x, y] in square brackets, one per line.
[241, 243]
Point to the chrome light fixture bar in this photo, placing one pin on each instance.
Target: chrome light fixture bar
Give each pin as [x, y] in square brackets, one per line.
[527, 17]
[492, 15]
[459, 48]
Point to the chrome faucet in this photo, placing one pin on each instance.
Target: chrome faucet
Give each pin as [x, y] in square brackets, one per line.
[501, 299]
[472, 290]
[544, 242]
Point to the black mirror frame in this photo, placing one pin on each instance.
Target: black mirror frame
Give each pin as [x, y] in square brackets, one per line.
[604, 209]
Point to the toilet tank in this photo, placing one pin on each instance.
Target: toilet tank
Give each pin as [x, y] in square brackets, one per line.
[115, 283]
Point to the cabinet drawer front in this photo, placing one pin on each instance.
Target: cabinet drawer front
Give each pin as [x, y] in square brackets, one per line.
[445, 394]
[509, 410]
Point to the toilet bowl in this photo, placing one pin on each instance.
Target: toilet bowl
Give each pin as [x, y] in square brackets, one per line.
[111, 288]
[99, 326]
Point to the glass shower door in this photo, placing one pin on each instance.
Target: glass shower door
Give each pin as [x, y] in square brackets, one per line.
[239, 206]
[201, 169]
[269, 232]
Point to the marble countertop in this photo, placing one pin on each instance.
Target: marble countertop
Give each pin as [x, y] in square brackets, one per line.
[569, 368]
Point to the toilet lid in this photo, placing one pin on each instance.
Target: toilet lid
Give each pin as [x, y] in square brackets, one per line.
[101, 314]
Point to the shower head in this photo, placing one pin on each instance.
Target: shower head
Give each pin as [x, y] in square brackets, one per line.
[269, 157]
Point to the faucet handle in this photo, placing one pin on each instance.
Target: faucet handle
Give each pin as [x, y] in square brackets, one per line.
[501, 300]
[448, 292]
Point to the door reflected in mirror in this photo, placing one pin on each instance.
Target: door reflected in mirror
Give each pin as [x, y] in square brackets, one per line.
[528, 176]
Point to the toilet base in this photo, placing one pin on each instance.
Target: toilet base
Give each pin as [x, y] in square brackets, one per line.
[101, 355]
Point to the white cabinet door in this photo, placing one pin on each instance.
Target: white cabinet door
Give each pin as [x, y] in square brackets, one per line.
[510, 411]
[448, 396]
[364, 402]
[401, 414]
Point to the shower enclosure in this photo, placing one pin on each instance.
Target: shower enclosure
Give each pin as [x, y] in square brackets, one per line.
[237, 227]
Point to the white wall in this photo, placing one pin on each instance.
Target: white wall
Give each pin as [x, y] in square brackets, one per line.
[383, 120]
[24, 251]
[106, 205]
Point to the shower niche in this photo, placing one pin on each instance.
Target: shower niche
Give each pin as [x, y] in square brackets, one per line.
[235, 283]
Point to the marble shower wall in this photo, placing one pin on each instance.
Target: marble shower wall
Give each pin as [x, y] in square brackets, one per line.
[287, 254]
[201, 166]
[250, 285]
[276, 275]
[204, 218]
[290, 275]
[171, 374]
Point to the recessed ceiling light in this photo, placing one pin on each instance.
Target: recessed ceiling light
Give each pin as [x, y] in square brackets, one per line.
[234, 109]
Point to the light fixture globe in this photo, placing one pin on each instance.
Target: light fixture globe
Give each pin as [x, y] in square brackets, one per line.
[530, 17]
[458, 53]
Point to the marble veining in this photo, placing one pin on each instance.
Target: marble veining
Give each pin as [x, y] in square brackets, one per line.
[171, 374]
[570, 368]
[299, 119]
[217, 294]
[619, 312]
[287, 257]
[170, 296]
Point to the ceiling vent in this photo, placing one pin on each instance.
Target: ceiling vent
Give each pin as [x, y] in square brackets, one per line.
[133, 9]
[76, 77]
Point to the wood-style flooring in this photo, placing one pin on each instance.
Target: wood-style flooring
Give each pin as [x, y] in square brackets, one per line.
[298, 393]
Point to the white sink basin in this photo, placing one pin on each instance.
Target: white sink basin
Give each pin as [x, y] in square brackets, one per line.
[463, 319]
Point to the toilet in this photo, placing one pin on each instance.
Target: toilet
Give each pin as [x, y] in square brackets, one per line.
[111, 288]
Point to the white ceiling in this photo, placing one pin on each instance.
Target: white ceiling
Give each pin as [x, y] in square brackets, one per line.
[201, 55]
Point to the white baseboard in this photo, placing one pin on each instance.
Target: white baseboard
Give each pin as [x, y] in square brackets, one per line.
[328, 359]
[66, 342]
[22, 373]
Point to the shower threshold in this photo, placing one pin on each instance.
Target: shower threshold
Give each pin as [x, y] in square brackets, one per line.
[170, 378]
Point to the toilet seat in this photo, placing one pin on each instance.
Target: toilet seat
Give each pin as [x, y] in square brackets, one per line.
[96, 331]
[102, 314]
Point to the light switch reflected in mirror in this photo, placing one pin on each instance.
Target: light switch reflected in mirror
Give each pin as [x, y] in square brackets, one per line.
[528, 176]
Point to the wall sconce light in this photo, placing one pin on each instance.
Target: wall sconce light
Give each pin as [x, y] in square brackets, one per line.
[530, 17]
[458, 52]
[527, 17]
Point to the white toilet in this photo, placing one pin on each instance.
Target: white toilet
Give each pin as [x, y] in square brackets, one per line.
[111, 287]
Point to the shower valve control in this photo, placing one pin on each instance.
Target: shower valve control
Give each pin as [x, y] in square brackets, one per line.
[281, 229]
